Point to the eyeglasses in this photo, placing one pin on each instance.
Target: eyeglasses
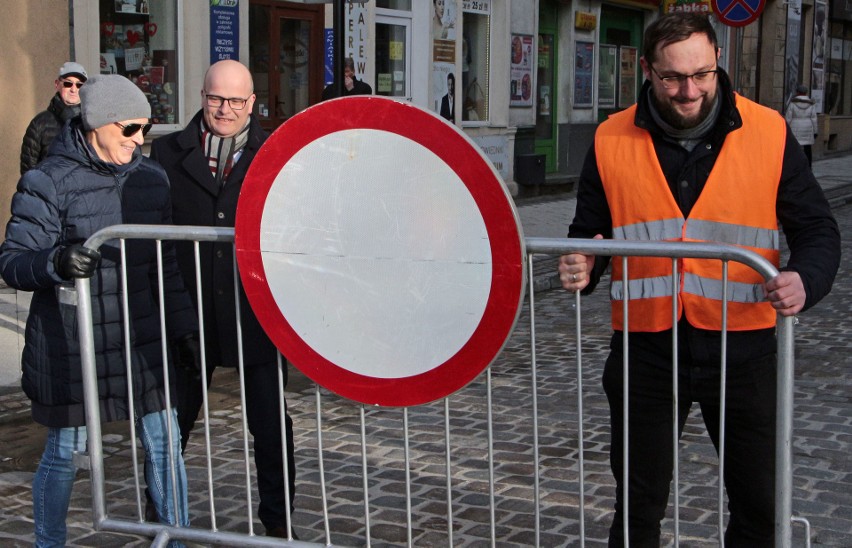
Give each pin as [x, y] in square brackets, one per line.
[677, 80]
[236, 103]
[68, 84]
[132, 129]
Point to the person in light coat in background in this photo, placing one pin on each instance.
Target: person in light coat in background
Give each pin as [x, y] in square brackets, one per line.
[802, 117]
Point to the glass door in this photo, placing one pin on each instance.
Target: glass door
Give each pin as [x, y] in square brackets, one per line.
[393, 56]
[622, 28]
[285, 60]
[545, 119]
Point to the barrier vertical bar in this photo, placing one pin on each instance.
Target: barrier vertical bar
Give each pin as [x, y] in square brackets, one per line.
[534, 383]
[406, 451]
[285, 459]
[448, 472]
[321, 464]
[675, 405]
[784, 434]
[720, 511]
[94, 442]
[365, 483]
[170, 433]
[625, 400]
[128, 369]
[490, 424]
[580, 439]
[202, 345]
[243, 407]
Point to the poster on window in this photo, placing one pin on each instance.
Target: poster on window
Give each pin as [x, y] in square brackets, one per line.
[627, 77]
[818, 89]
[131, 6]
[444, 90]
[444, 20]
[482, 7]
[584, 60]
[606, 75]
[520, 71]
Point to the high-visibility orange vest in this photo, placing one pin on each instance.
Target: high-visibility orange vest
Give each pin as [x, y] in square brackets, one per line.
[736, 206]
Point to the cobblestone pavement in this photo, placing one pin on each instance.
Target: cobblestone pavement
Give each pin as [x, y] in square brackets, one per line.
[822, 457]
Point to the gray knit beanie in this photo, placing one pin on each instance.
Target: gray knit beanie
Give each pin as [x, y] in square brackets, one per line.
[108, 98]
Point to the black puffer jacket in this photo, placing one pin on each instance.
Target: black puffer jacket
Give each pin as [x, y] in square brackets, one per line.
[64, 200]
[43, 129]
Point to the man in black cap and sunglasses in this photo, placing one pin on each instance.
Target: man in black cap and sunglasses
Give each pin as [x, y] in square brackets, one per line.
[64, 105]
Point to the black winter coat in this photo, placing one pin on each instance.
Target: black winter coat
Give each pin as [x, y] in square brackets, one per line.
[64, 200]
[43, 129]
[198, 200]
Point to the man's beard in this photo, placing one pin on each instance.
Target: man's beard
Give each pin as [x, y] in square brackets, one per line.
[672, 117]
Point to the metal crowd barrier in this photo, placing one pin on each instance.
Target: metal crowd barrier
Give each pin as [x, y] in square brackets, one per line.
[457, 527]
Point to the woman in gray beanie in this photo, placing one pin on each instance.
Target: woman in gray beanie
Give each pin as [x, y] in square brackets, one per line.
[93, 177]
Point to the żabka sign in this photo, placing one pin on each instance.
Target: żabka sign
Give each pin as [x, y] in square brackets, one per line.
[738, 13]
[380, 250]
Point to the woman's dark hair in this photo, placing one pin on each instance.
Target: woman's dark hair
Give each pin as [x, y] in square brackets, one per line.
[676, 27]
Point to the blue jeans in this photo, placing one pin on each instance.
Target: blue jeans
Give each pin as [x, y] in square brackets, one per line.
[54, 478]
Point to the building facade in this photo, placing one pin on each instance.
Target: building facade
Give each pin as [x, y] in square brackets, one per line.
[527, 80]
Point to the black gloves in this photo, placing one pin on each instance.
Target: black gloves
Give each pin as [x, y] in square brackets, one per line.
[186, 354]
[76, 261]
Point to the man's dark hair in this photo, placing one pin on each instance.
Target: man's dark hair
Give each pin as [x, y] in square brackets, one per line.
[451, 77]
[676, 27]
[349, 63]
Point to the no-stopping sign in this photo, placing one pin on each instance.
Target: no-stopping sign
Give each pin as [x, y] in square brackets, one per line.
[380, 251]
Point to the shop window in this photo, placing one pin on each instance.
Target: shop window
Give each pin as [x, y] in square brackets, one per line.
[404, 5]
[476, 55]
[138, 39]
[838, 84]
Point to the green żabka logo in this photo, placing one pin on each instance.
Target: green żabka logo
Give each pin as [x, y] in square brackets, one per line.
[224, 3]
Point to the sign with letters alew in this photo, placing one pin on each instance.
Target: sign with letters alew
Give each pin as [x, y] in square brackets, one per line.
[380, 250]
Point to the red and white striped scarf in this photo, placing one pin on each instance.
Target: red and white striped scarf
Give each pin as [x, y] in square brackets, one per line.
[220, 151]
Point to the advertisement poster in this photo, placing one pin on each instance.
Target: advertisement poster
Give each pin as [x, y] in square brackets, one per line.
[606, 76]
[224, 30]
[328, 58]
[583, 71]
[520, 71]
[627, 77]
[444, 89]
[818, 87]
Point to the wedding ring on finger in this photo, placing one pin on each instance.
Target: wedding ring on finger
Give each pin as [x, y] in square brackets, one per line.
[573, 277]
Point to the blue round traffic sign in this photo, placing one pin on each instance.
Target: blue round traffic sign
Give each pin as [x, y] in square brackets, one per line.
[738, 13]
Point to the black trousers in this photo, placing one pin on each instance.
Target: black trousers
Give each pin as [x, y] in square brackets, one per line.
[262, 414]
[749, 442]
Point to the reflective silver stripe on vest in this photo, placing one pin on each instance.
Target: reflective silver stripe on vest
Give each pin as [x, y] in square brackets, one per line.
[738, 292]
[664, 229]
[712, 231]
[643, 288]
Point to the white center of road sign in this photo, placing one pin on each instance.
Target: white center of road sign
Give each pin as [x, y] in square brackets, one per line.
[389, 249]
[380, 250]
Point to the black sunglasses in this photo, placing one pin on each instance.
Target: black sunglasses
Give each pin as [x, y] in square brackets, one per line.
[68, 84]
[131, 129]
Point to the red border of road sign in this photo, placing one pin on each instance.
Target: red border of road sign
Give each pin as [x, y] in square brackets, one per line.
[755, 13]
[449, 144]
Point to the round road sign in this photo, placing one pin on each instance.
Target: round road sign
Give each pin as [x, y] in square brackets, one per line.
[380, 250]
[738, 13]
